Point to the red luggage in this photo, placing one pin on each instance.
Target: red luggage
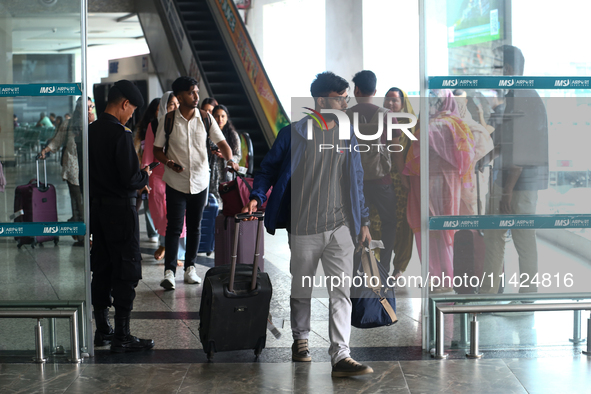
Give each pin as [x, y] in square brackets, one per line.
[225, 229]
[35, 202]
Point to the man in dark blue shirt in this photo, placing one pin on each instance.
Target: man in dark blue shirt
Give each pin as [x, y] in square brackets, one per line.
[115, 178]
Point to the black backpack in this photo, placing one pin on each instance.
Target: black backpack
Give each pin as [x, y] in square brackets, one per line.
[169, 125]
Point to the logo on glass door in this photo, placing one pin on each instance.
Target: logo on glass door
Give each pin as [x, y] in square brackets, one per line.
[47, 89]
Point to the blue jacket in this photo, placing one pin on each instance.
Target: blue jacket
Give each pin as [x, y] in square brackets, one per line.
[276, 171]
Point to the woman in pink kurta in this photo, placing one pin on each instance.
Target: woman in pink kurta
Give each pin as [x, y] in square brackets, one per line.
[451, 154]
[157, 197]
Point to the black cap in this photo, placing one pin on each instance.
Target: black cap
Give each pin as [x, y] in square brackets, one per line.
[130, 92]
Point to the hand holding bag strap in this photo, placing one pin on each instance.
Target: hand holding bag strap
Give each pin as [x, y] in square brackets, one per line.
[367, 269]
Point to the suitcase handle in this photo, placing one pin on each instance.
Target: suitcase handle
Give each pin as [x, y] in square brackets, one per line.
[255, 265]
[44, 170]
[241, 216]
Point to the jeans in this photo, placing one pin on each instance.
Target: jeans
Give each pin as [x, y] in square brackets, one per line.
[178, 205]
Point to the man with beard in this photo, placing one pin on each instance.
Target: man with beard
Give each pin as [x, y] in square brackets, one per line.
[183, 150]
[318, 197]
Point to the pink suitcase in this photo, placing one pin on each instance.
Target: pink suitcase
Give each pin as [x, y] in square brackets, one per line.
[35, 202]
[225, 228]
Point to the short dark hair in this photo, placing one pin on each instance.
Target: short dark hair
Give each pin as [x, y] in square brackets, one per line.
[52, 114]
[513, 57]
[366, 81]
[183, 84]
[210, 101]
[328, 82]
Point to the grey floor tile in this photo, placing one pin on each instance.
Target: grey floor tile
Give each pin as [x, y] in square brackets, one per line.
[553, 375]
[316, 378]
[406, 332]
[238, 378]
[29, 378]
[129, 379]
[460, 376]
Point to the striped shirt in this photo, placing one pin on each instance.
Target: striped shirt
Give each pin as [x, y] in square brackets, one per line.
[316, 186]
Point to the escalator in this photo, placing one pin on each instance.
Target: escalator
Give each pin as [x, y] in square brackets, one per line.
[207, 40]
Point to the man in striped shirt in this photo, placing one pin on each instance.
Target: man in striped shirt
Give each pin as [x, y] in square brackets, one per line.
[318, 197]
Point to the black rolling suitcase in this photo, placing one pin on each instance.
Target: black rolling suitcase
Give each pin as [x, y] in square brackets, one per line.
[235, 303]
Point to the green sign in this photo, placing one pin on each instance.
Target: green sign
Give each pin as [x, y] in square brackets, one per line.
[496, 222]
[40, 229]
[41, 89]
[509, 82]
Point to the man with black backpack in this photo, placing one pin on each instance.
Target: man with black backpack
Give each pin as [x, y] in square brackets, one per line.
[181, 145]
[378, 161]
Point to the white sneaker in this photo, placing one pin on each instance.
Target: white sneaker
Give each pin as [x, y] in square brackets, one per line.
[191, 276]
[168, 281]
[154, 240]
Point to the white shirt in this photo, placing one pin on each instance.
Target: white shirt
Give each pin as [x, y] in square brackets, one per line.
[187, 146]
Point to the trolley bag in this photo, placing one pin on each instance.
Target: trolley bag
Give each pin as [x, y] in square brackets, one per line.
[35, 202]
[247, 239]
[469, 250]
[373, 304]
[235, 303]
[210, 213]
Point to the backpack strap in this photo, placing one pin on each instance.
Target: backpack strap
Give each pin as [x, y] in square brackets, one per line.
[154, 125]
[206, 121]
[168, 126]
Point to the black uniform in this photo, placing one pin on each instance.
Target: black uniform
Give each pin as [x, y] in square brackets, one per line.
[115, 177]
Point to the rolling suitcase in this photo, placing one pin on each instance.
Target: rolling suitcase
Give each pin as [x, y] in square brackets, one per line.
[235, 303]
[247, 239]
[35, 202]
[210, 213]
[469, 251]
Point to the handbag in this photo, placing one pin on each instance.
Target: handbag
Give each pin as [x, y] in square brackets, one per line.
[372, 304]
[236, 194]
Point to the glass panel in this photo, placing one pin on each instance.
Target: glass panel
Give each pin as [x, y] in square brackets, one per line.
[40, 43]
[517, 139]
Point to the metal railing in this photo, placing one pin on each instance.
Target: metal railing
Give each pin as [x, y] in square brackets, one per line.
[469, 298]
[476, 309]
[41, 314]
[81, 317]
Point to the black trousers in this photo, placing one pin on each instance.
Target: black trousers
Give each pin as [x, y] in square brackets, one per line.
[383, 197]
[179, 205]
[115, 256]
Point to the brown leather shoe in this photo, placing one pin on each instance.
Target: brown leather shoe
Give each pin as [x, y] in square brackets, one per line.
[349, 367]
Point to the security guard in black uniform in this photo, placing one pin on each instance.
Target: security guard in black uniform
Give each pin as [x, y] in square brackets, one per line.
[115, 178]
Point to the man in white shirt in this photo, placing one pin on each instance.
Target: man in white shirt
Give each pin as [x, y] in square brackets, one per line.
[184, 153]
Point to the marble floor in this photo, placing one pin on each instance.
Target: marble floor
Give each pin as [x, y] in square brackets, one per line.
[522, 354]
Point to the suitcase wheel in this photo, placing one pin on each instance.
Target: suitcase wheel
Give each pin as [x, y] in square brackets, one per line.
[210, 355]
